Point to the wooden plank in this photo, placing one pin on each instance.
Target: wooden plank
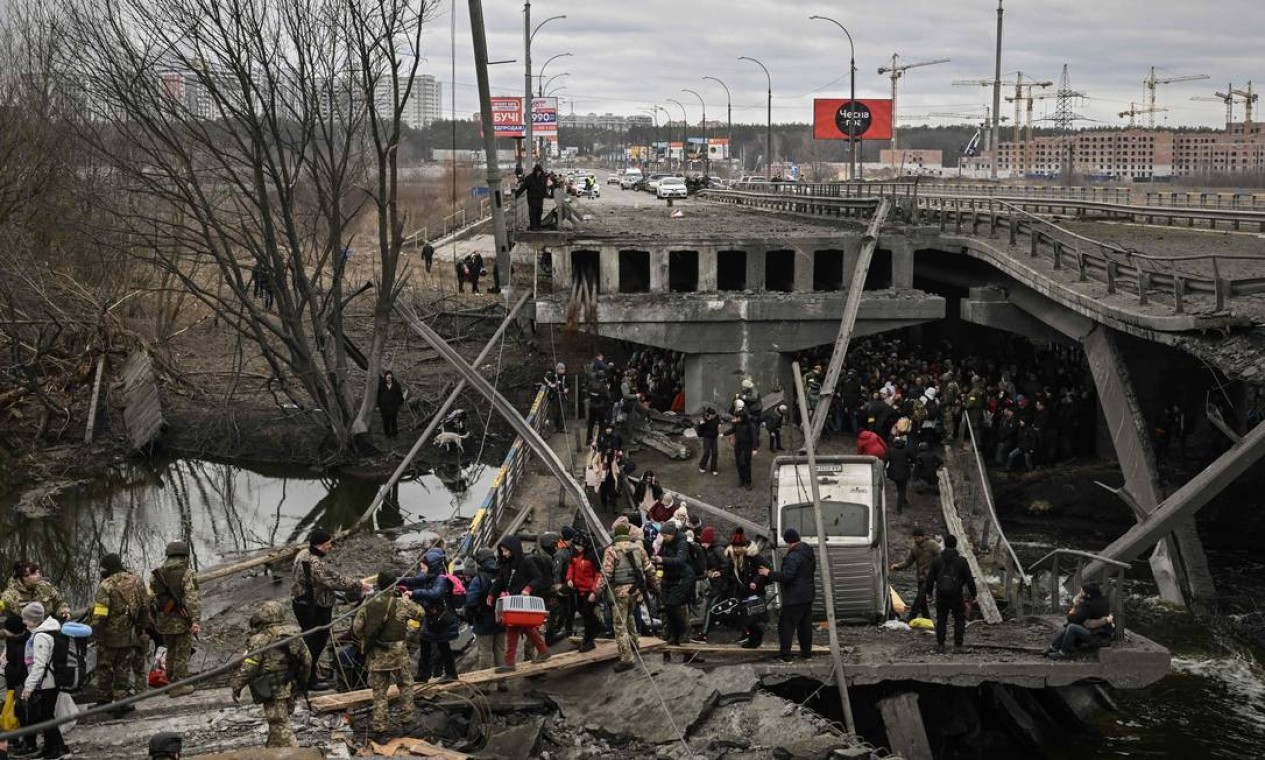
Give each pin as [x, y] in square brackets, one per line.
[902, 720]
[414, 748]
[605, 650]
[953, 524]
[96, 395]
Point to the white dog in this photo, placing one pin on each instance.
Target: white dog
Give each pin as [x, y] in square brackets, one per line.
[447, 440]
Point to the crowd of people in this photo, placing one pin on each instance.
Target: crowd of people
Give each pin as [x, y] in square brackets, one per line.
[1028, 407]
[44, 648]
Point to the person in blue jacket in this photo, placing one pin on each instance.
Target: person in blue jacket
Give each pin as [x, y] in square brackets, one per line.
[433, 592]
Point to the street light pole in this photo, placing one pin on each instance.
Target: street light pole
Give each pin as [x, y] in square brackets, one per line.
[996, 97]
[685, 134]
[544, 85]
[768, 135]
[852, 96]
[707, 154]
[729, 110]
[540, 75]
[529, 34]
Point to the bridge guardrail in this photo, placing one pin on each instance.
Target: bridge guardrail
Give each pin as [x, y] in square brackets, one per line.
[482, 530]
[1144, 274]
[979, 515]
[1052, 565]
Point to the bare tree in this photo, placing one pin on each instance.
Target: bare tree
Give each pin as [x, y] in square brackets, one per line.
[245, 135]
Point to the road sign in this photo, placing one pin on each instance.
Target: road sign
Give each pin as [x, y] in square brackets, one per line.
[839, 119]
[480, 191]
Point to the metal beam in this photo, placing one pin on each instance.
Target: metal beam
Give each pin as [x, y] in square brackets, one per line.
[438, 417]
[1187, 500]
[511, 415]
[851, 304]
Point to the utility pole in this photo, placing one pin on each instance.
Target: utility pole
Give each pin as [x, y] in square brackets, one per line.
[528, 145]
[707, 153]
[996, 142]
[685, 132]
[823, 560]
[479, 36]
[852, 98]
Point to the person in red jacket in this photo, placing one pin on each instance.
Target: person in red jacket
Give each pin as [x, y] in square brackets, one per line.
[582, 575]
[871, 444]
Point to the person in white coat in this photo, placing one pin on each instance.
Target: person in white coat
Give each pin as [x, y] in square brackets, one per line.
[39, 692]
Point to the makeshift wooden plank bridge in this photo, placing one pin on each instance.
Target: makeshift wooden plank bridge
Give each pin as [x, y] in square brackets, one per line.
[606, 650]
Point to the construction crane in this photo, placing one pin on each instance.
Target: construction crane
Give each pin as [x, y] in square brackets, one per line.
[1152, 83]
[896, 71]
[1019, 98]
[1249, 98]
[1135, 111]
[1222, 97]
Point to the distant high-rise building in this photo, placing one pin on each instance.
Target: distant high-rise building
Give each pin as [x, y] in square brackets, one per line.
[425, 102]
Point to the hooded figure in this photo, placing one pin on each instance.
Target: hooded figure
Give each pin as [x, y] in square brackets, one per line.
[518, 576]
[433, 592]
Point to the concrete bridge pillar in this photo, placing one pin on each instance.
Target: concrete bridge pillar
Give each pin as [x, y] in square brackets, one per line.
[707, 269]
[610, 269]
[658, 270]
[902, 262]
[755, 268]
[713, 379]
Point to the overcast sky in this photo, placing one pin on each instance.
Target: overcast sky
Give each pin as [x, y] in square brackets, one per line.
[631, 53]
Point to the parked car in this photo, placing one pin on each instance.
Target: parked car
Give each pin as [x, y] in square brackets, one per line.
[671, 187]
[613, 179]
[630, 181]
[652, 184]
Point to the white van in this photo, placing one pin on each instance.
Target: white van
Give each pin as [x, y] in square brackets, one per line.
[854, 509]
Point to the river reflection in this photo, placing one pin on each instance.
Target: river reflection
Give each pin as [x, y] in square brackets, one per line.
[223, 511]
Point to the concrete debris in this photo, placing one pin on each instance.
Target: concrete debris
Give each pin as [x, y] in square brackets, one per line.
[514, 742]
[765, 727]
[632, 705]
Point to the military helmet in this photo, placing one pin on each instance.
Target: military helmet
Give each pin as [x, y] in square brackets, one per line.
[177, 549]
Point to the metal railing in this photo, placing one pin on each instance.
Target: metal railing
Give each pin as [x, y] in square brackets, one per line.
[1144, 274]
[1073, 562]
[1245, 201]
[979, 516]
[483, 526]
[454, 222]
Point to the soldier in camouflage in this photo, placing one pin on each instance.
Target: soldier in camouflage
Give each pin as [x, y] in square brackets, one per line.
[313, 586]
[382, 626]
[627, 569]
[28, 585]
[274, 676]
[120, 613]
[177, 612]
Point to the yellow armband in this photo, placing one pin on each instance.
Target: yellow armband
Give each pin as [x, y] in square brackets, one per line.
[100, 610]
[414, 624]
[251, 661]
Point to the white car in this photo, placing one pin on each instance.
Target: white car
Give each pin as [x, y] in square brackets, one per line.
[652, 184]
[629, 181]
[613, 179]
[671, 187]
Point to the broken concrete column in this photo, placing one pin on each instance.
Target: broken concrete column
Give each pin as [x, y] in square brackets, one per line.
[707, 269]
[902, 262]
[714, 378]
[906, 734]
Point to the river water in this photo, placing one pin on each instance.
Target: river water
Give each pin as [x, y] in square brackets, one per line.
[1213, 703]
[223, 511]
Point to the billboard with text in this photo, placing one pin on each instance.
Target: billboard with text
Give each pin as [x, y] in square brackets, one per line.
[840, 118]
[507, 117]
[544, 117]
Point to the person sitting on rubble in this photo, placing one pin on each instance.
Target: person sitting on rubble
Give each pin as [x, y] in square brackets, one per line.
[1089, 625]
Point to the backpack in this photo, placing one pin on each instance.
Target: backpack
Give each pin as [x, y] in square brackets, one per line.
[544, 568]
[698, 560]
[456, 592]
[948, 582]
[68, 662]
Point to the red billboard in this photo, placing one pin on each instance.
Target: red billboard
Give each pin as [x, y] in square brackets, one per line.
[866, 119]
[507, 117]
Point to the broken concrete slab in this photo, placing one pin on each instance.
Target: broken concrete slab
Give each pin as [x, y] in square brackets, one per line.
[631, 703]
[769, 726]
[265, 753]
[514, 742]
[905, 730]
